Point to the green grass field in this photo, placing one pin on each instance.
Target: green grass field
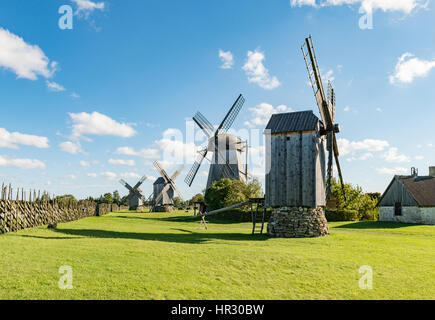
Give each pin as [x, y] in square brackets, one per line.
[160, 256]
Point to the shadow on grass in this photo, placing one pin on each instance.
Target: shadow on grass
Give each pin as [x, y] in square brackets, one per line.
[183, 219]
[185, 237]
[364, 225]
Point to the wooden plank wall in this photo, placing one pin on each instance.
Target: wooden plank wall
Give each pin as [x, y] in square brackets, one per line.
[294, 180]
[397, 193]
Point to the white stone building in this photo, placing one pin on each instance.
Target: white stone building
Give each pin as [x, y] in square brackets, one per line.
[409, 199]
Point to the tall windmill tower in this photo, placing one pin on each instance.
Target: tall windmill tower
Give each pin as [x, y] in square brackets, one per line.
[298, 181]
[135, 196]
[164, 189]
[227, 149]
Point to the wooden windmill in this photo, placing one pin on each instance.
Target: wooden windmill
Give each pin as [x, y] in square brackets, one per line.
[164, 188]
[327, 107]
[135, 196]
[297, 175]
[227, 149]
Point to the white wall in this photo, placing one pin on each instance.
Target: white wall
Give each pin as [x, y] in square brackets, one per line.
[409, 215]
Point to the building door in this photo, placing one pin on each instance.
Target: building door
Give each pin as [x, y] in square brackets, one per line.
[398, 209]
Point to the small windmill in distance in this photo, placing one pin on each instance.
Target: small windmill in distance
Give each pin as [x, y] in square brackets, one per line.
[227, 149]
[164, 188]
[135, 196]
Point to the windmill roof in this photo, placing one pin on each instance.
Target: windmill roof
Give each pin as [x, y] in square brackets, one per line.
[293, 121]
[160, 181]
[422, 188]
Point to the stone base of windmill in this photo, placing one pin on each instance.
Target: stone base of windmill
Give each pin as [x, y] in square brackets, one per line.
[298, 223]
[167, 209]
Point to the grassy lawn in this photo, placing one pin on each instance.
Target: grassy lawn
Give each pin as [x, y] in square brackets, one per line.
[161, 256]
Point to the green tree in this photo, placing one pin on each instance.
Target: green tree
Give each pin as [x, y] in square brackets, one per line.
[66, 197]
[197, 198]
[254, 189]
[116, 197]
[357, 200]
[107, 198]
[178, 202]
[124, 201]
[226, 192]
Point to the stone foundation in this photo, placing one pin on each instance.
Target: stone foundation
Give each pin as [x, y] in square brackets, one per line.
[168, 209]
[298, 223]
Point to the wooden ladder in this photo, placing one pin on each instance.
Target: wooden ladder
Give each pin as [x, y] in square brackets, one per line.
[258, 215]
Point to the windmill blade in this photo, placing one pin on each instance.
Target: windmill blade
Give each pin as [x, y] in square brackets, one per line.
[195, 168]
[340, 175]
[161, 171]
[204, 124]
[140, 182]
[125, 184]
[330, 173]
[331, 100]
[231, 116]
[316, 82]
[172, 184]
[177, 173]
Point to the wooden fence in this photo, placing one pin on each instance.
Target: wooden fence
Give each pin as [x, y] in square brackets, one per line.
[37, 209]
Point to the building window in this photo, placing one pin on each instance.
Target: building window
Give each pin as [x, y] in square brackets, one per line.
[398, 209]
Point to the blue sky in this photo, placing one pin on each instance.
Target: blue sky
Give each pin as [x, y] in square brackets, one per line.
[82, 108]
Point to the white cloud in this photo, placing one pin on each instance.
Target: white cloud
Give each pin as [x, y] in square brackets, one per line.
[109, 175]
[408, 67]
[25, 60]
[53, 86]
[258, 73]
[371, 145]
[71, 147]
[99, 124]
[328, 76]
[378, 109]
[391, 171]
[174, 149]
[130, 175]
[346, 109]
[363, 157]
[85, 164]
[13, 139]
[419, 157]
[143, 153]
[227, 59]
[21, 163]
[122, 162]
[75, 95]
[392, 156]
[405, 6]
[70, 177]
[262, 113]
[87, 6]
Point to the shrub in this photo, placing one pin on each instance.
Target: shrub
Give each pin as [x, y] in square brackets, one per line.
[342, 215]
[226, 192]
[370, 215]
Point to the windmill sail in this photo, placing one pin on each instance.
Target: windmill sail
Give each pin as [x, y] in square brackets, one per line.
[326, 109]
[204, 124]
[231, 115]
